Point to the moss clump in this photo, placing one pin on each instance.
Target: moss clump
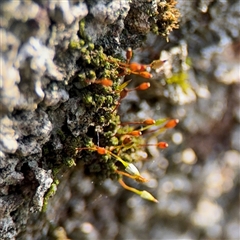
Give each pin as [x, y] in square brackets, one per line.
[167, 18]
[101, 102]
[96, 138]
[69, 162]
[51, 192]
[159, 17]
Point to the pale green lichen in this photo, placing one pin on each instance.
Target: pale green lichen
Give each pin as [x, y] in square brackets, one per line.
[180, 79]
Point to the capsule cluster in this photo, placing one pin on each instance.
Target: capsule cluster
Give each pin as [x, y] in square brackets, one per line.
[110, 147]
[128, 140]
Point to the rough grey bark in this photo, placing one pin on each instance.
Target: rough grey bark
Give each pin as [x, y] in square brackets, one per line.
[35, 103]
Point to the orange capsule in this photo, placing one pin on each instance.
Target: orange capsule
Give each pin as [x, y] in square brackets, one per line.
[172, 123]
[135, 67]
[105, 82]
[135, 133]
[101, 150]
[143, 67]
[143, 86]
[145, 74]
[162, 145]
[149, 121]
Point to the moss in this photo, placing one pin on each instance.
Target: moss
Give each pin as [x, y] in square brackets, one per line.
[74, 45]
[90, 46]
[61, 135]
[91, 75]
[55, 170]
[114, 141]
[167, 18]
[88, 99]
[82, 29]
[99, 102]
[159, 17]
[51, 192]
[88, 141]
[69, 162]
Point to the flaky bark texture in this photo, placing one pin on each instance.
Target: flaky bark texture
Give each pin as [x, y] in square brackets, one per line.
[45, 114]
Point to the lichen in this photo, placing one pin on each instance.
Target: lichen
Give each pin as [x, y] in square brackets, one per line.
[180, 79]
